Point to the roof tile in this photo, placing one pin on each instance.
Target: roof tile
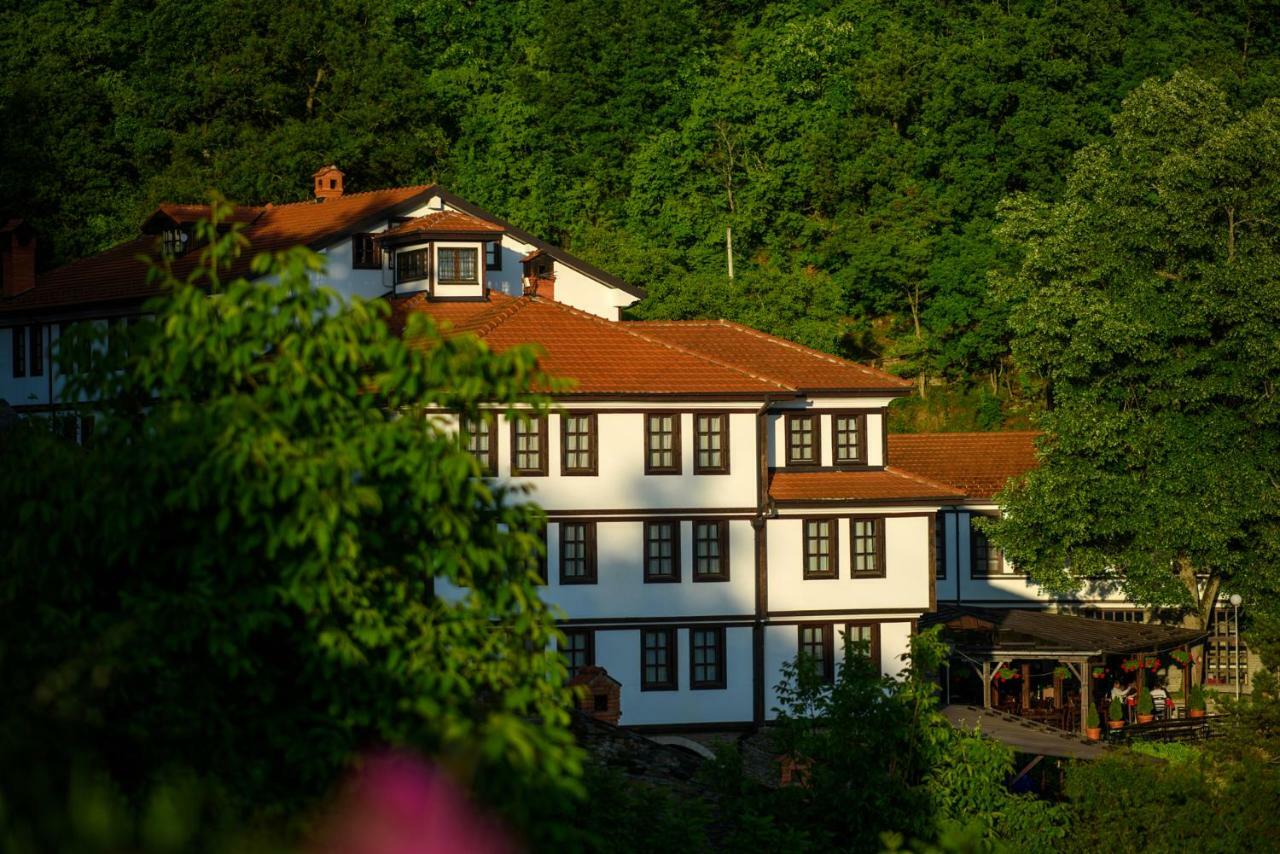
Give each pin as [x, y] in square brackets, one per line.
[980, 464]
[887, 484]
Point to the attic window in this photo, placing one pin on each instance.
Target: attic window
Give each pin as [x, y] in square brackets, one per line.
[458, 266]
[366, 254]
[175, 241]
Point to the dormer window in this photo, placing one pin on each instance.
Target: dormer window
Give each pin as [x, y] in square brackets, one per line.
[458, 266]
[175, 241]
[413, 265]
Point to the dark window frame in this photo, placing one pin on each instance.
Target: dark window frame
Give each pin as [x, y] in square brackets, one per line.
[873, 651]
[940, 548]
[676, 466]
[723, 467]
[827, 660]
[593, 445]
[496, 247]
[589, 566]
[722, 538]
[860, 420]
[719, 680]
[674, 577]
[833, 544]
[588, 650]
[672, 682]
[976, 537]
[35, 350]
[517, 426]
[18, 336]
[475, 254]
[420, 272]
[792, 418]
[489, 462]
[366, 251]
[879, 544]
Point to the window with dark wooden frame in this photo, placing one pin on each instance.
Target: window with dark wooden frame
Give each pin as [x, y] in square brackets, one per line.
[866, 546]
[578, 443]
[662, 551]
[529, 446]
[940, 547]
[35, 350]
[578, 649]
[820, 548]
[577, 552]
[482, 442]
[848, 438]
[366, 252]
[658, 670]
[413, 265]
[866, 635]
[19, 365]
[457, 265]
[706, 658]
[710, 550]
[817, 643]
[493, 255]
[803, 439]
[711, 443]
[985, 559]
[662, 443]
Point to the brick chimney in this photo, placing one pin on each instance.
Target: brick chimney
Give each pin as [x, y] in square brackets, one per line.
[600, 696]
[328, 181]
[539, 274]
[17, 258]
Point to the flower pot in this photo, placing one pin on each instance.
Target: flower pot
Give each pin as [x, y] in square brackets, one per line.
[1146, 719]
[1195, 713]
[1093, 733]
[1114, 724]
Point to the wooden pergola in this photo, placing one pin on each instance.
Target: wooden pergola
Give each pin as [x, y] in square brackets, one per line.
[990, 638]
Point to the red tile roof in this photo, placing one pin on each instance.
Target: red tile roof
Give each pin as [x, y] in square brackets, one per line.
[117, 275]
[602, 357]
[980, 464]
[889, 484]
[444, 222]
[782, 360]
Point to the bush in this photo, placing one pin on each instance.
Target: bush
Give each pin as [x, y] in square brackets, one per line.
[1092, 720]
[1146, 705]
[1116, 712]
[1196, 699]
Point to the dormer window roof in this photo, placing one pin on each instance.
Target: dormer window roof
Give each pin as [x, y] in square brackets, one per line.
[442, 225]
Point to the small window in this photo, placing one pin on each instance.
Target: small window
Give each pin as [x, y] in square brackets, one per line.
[711, 550]
[578, 649]
[482, 443]
[577, 553]
[802, 440]
[866, 637]
[658, 660]
[986, 559]
[662, 443]
[35, 350]
[19, 334]
[868, 547]
[493, 255]
[940, 547]
[175, 242]
[413, 265]
[819, 548]
[366, 254]
[662, 551]
[711, 443]
[457, 266]
[600, 703]
[816, 644]
[529, 446]
[706, 658]
[849, 439]
[578, 443]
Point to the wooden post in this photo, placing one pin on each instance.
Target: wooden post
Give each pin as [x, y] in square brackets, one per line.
[1142, 671]
[986, 684]
[1026, 686]
[1086, 692]
[1057, 688]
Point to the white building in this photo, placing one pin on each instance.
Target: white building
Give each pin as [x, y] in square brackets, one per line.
[718, 498]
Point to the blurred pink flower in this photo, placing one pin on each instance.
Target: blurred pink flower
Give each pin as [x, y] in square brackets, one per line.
[397, 804]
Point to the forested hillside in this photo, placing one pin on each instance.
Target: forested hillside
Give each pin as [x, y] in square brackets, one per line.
[858, 150]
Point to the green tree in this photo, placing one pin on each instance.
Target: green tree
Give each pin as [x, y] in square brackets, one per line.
[275, 554]
[1148, 302]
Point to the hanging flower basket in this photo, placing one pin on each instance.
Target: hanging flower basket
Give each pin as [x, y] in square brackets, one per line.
[1063, 672]
[1099, 672]
[1007, 674]
[1129, 665]
[1181, 657]
[1153, 663]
